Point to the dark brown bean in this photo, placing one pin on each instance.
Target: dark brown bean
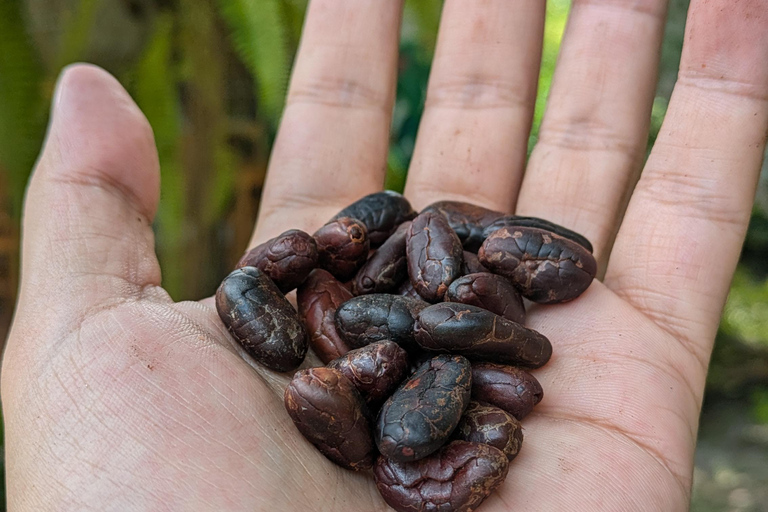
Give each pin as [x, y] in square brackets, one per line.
[471, 264]
[342, 246]
[381, 213]
[330, 413]
[386, 269]
[261, 319]
[545, 267]
[509, 388]
[375, 370]
[317, 299]
[287, 259]
[467, 220]
[491, 425]
[456, 479]
[420, 416]
[376, 317]
[488, 291]
[434, 255]
[481, 335]
[407, 290]
[535, 222]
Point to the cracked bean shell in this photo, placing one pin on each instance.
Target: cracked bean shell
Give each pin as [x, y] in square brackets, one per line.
[421, 415]
[317, 298]
[535, 222]
[467, 220]
[490, 425]
[434, 255]
[545, 267]
[287, 259]
[507, 387]
[488, 291]
[386, 268]
[330, 413]
[342, 247]
[261, 319]
[376, 369]
[377, 317]
[381, 213]
[455, 479]
[480, 335]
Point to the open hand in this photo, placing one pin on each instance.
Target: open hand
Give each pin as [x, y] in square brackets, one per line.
[117, 398]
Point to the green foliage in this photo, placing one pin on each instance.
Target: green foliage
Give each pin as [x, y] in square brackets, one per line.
[77, 25]
[746, 312]
[22, 102]
[557, 16]
[760, 405]
[259, 35]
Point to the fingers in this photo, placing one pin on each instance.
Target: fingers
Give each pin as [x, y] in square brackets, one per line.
[473, 136]
[87, 234]
[332, 144]
[680, 241]
[593, 136]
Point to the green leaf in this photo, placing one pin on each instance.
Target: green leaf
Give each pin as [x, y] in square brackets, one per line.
[23, 103]
[259, 35]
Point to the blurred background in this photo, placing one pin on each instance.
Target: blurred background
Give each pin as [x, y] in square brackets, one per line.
[211, 76]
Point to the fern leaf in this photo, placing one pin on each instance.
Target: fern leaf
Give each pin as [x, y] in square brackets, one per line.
[259, 35]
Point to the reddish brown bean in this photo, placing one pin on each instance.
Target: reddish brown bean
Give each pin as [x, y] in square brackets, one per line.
[434, 255]
[535, 222]
[480, 335]
[377, 317]
[381, 213]
[317, 299]
[490, 425]
[544, 266]
[261, 319]
[375, 370]
[330, 413]
[467, 220]
[420, 416]
[509, 388]
[342, 247]
[287, 259]
[471, 264]
[488, 291]
[386, 268]
[456, 479]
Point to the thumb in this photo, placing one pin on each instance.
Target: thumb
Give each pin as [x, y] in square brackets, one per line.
[87, 239]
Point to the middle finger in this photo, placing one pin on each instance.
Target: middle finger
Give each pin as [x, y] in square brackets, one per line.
[473, 136]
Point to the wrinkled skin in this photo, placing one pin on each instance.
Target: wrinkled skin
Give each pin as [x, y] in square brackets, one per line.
[471, 264]
[480, 335]
[377, 317]
[490, 425]
[261, 319]
[342, 247]
[545, 267]
[507, 387]
[386, 269]
[380, 212]
[467, 220]
[317, 300]
[287, 259]
[434, 255]
[488, 291]
[421, 415]
[458, 478]
[375, 370]
[330, 413]
[534, 222]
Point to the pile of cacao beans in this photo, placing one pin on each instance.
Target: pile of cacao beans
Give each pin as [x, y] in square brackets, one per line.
[419, 319]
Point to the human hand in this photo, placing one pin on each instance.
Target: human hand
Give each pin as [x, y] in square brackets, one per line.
[116, 398]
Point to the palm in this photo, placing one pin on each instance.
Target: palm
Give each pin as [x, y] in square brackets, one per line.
[121, 396]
